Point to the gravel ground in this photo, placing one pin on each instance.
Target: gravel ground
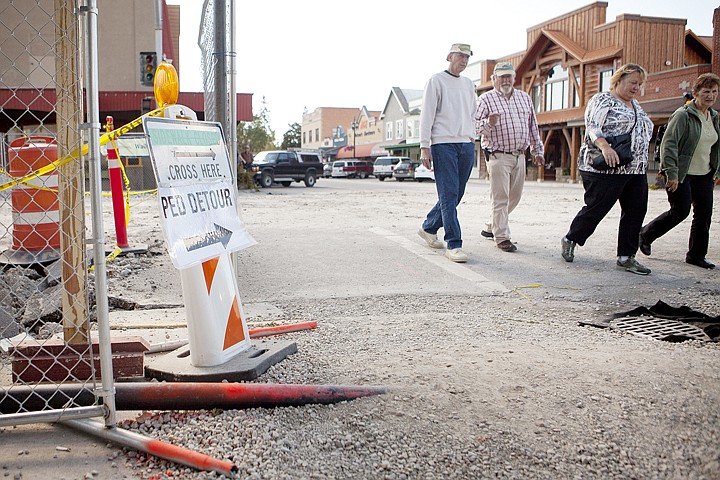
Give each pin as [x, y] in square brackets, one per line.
[517, 395]
[480, 384]
[503, 385]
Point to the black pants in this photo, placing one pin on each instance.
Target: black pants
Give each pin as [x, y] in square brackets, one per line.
[695, 191]
[601, 193]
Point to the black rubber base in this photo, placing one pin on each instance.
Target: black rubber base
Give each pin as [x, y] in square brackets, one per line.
[248, 365]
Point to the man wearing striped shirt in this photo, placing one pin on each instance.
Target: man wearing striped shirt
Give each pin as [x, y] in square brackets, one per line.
[505, 119]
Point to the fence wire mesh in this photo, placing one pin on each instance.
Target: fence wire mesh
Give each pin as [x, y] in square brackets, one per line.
[45, 324]
[207, 39]
[216, 43]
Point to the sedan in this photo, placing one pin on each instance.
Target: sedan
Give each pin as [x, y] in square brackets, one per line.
[405, 169]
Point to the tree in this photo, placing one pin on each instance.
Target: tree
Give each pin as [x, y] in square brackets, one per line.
[257, 133]
[292, 136]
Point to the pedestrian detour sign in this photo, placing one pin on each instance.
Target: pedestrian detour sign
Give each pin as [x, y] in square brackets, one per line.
[195, 189]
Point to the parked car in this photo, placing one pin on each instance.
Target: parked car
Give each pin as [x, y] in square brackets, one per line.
[351, 169]
[422, 173]
[340, 169]
[327, 170]
[384, 166]
[405, 169]
[285, 167]
[363, 169]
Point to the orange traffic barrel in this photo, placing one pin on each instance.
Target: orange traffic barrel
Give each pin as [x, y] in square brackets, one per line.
[36, 218]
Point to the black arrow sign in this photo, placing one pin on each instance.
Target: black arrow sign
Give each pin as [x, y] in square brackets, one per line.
[220, 234]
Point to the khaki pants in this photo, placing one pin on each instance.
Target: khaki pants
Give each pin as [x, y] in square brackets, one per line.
[507, 177]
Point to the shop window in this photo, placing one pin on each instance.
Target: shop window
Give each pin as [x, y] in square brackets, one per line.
[536, 97]
[605, 77]
[557, 89]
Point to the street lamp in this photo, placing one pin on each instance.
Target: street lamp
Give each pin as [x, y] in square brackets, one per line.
[354, 125]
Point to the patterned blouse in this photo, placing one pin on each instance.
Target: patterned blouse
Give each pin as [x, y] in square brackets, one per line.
[605, 116]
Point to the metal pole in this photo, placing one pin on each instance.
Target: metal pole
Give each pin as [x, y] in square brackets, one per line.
[220, 63]
[232, 121]
[158, 31]
[160, 449]
[187, 395]
[107, 391]
[51, 416]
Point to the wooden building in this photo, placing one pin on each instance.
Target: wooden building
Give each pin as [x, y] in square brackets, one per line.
[572, 57]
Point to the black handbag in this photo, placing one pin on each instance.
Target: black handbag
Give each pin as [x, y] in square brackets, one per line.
[622, 144]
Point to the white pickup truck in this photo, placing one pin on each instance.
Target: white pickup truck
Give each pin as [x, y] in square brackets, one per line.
[384, 166]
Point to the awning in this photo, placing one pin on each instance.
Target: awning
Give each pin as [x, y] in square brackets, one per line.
[361, 151]
[43, 100]
[401, 145]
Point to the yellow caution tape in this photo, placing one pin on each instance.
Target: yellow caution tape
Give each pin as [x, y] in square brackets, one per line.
[109, 258]
[152, 192]
[132, 192]
[126, 181]
[75, 154]
[534, 285]
[521, 294]
[113, 254]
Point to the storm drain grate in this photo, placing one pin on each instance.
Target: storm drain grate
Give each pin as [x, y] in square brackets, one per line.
[658, 328]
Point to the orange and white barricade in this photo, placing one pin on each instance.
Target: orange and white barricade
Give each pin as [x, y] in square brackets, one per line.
[36, 217]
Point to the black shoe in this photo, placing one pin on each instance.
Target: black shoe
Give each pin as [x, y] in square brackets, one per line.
[506, 246]
[486, 234]
[644, 245]
[702, 263]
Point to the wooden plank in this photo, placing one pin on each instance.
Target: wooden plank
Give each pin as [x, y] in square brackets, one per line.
[583, 83]
[541, 168]
[547, 139]
[70, 189]
[566, 134]
[531, 84]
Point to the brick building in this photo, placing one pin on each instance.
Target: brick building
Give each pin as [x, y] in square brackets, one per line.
[125, 29]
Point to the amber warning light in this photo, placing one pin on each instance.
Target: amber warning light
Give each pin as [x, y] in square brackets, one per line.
[166, 85]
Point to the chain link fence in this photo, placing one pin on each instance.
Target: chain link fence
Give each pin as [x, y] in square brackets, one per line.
[48, 363]
[56, 363]
[216, 40]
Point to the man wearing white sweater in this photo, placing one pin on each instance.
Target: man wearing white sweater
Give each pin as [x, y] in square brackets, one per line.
[447, 139]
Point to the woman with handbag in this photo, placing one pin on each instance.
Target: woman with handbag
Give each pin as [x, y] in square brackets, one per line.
[689, 159]
[612, 163]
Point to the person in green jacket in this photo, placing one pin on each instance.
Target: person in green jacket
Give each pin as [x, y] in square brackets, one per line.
[689, 159]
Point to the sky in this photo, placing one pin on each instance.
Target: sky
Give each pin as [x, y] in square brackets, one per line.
[300, 56]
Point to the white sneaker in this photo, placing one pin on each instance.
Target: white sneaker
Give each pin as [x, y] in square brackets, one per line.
[431, 239]
[456, 255]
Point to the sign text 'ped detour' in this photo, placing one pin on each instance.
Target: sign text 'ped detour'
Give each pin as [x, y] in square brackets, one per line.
[195, 189]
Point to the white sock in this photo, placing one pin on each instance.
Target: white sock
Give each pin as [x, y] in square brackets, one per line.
[623, 259]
